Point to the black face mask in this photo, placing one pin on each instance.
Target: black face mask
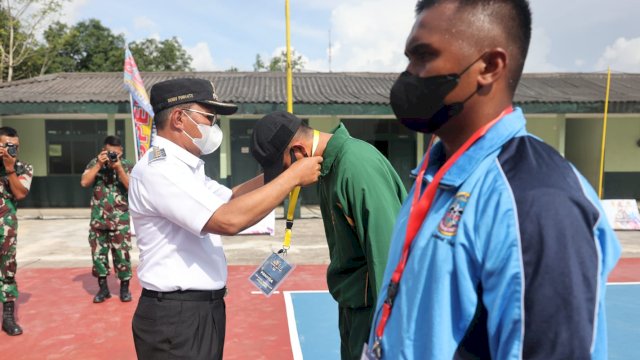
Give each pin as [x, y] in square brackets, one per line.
[419, 102]
[292, 154]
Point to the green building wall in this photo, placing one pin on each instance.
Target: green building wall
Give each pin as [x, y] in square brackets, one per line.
[576, 136]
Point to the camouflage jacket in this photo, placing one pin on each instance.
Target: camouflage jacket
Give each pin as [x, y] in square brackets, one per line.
[110, 200]
[8, 203]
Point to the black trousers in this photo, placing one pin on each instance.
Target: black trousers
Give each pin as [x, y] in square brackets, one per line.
[179, 329]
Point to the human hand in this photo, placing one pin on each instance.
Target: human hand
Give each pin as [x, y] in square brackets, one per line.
[7, 160]
[116, 165]
[102, 158]
[306, 171]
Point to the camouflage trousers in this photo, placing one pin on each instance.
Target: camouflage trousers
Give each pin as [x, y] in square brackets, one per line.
[116, 241]
[8, 265]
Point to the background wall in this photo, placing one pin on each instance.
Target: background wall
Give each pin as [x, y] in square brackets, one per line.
[582, 146]
[33, 145]
[551, 129]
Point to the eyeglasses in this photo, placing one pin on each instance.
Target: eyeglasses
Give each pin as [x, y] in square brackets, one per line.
[213, 118]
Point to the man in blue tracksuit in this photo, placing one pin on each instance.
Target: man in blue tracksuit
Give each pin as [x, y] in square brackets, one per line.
[504, 252]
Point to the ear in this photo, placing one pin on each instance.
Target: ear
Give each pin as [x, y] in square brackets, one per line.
[176, 119]
[495, 67]
[300, 148]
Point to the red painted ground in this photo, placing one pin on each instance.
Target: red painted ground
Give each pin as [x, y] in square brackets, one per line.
[61, 322]
[628, 270]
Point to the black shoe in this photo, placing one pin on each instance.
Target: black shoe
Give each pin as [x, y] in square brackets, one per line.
[9, 324]
[125, 295]
[104, 292]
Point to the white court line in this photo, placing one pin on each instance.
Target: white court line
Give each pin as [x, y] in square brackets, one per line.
[261, 293]
[296, 349]
[623, 283]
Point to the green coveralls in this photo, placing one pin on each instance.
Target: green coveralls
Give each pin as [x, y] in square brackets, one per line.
[360, 196]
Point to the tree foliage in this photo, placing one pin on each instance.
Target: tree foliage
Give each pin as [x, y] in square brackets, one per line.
[86, 46]
[20, 21]
[279, 62]
[91, 47]
[165, 55]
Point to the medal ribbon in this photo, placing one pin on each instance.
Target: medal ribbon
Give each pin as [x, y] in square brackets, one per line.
[293, 199]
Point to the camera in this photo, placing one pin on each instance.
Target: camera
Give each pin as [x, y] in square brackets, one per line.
[12, 149]
[113, 156]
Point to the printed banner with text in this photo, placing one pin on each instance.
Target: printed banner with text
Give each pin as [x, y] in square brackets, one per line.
[141, 111]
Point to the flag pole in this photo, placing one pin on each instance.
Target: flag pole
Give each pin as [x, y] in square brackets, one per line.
[136, 141]
[289, 71]
[604, 132]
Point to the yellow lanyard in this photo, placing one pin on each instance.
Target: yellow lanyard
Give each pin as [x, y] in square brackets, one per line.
[293, 199]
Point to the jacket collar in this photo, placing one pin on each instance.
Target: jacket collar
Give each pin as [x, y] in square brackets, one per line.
[333, 148]
[508, 127]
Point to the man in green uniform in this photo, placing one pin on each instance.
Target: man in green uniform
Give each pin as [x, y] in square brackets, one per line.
[110, 230]
[15, 181]
[360, 196]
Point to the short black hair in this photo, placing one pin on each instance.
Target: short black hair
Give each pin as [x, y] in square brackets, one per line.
[8, 131]
[160, 119]
[113, 140]
[512, 16]
[303, 132]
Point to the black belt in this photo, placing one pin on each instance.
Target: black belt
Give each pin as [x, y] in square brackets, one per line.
[186, 295]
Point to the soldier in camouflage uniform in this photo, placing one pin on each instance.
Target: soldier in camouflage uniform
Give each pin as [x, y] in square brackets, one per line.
[15, 181]
[110, 231]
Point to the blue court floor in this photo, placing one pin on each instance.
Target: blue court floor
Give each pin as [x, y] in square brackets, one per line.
[313, 323]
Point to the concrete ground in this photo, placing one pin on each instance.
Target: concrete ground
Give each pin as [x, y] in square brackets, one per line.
[58, 238]
[54, 238]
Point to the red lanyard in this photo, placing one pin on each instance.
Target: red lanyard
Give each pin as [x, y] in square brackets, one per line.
[419, 209]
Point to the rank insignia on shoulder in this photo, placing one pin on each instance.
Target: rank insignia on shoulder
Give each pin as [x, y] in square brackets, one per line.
[156, 154]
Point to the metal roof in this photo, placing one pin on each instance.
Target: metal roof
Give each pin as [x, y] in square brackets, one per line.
[309, 88]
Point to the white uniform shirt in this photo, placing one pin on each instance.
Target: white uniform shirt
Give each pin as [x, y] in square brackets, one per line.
[170, 201]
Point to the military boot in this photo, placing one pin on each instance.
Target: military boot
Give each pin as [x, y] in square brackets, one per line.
[9, 324]
[125, 295]
[104, 292]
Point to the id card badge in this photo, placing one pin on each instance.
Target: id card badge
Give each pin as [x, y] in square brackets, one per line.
[273, 271]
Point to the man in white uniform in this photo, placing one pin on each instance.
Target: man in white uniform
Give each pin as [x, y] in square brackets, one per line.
[179, 213]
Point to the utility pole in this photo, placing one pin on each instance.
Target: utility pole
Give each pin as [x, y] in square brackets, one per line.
[330, 49]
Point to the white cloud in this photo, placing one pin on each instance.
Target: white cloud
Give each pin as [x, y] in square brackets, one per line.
[361, 41]
[539, 50]
[70, 13]
[143, 22]
[370, 36]
[622, 55]
[124, 31]
[315, 65]
[202, 58]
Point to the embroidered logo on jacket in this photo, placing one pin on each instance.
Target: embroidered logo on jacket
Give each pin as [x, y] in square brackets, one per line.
[449, 223]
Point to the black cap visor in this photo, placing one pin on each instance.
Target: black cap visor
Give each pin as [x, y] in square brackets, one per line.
[220, 107]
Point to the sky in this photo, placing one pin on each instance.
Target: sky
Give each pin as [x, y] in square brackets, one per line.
[365, 35]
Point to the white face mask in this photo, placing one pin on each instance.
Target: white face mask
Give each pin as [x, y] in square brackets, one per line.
[211, 137]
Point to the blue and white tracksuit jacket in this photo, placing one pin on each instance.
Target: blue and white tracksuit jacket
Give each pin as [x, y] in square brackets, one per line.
[511, 262]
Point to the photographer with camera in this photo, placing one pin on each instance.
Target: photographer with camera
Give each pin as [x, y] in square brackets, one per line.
[15, 181]
[108, 173]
